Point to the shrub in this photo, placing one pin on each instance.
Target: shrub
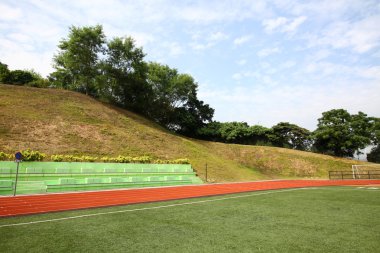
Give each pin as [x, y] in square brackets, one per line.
[5, 156]
[57, 158]
[31, 155]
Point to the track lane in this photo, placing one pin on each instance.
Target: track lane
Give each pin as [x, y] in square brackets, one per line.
[35, 204]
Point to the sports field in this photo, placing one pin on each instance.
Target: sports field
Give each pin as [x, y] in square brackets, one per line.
[323, 219]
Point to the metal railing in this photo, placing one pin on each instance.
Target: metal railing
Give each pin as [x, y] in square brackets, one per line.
[346, 174]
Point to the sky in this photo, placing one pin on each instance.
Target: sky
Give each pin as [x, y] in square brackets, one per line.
[260, 62]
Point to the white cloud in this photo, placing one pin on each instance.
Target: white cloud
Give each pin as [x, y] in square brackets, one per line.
[268, 51]
[360, 36]
[282, 24]
[217, 36]
[203, 42]
[242, 40]
[292, 26]
[206, 12]
[270, 25]
[9, 13]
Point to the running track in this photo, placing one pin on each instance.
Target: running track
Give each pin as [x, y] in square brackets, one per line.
[35, 204]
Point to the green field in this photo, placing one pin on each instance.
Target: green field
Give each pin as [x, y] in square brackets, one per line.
[329, 219]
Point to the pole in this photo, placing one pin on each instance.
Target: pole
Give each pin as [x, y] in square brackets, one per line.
[14, 193]
[206, 172]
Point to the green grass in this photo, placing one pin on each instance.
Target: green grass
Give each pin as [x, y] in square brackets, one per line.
[63, 122]
[331, 219]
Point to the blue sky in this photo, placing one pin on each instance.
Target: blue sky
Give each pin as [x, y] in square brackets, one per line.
[261, 62]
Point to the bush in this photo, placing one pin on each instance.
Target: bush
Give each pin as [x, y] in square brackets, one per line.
[57, 158]
[31, 155]
[177, 161]
[5, 156]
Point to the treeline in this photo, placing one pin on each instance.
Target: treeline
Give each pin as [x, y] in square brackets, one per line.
[339, 133]
[115, 71]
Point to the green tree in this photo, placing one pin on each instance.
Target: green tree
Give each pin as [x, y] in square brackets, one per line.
[234, 132]
[174, 103]
[289, 135]
[341, 134]
[61, 78]
[124, 75]
[21, 77]
[79, 56]
[4, 73]
[374, 155]
[259, 135]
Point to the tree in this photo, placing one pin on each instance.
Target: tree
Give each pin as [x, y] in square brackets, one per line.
[124, 75]
[259, 135]
[289, 135]
[21, 77]
[79, 57]
[342, 134]
[4, 73]
[235, 132]
[174, 103]
[374, 155]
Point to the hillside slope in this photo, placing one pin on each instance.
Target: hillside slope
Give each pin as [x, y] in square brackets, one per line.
[64, 122]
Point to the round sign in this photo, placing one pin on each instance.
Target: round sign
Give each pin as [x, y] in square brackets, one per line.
[18, 156]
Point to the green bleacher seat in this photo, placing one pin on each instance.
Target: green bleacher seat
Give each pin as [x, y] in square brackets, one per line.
[34, 170]
[149, 170]
[116, 179]
[63, 171]
[137, 179]
[87, 171]
[5, 170]
[155, 179]
[68, 176]
[6, 184]
[94, 180]
[172, 178]
[67, 181]
[133, 170]
[113, 170]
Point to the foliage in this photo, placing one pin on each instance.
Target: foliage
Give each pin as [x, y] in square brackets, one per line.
[122, 77]
[118, 159]
[124, 71]
[374, 155]
[31, 155]
[20, 77]
[341, 134]
[79, 57]
[5, 156]
[235, 132]
[176, 161]
[4, 73]
[289, 135]
[175, 104]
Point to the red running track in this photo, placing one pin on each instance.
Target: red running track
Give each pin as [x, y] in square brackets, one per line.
[35, 204]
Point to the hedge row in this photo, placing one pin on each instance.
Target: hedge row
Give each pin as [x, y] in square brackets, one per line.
[30, 155]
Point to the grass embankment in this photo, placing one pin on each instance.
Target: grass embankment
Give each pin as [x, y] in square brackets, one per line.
[64, 122]
[331, 219]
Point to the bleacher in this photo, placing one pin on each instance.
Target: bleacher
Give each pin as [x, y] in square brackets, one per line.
[40, 177]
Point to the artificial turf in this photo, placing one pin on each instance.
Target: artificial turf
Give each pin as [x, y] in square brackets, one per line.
[329, 219]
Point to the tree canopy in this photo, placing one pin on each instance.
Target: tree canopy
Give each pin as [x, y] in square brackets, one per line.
[341, 134]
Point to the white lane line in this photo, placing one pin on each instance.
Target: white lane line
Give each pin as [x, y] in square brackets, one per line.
[150, 208]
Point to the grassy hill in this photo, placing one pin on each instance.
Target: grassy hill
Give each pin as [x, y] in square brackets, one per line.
[64, 122]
